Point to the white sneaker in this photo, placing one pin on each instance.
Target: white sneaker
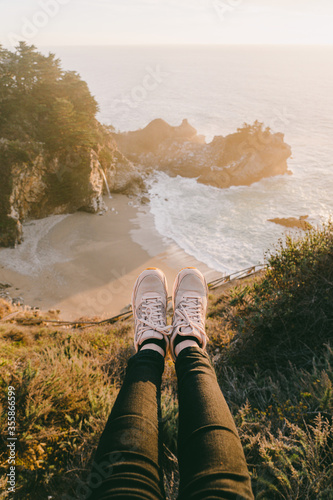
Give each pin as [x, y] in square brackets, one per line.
[189, 304]
[149, 305]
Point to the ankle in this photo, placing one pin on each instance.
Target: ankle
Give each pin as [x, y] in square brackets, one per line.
[153, 347]
[183, 345]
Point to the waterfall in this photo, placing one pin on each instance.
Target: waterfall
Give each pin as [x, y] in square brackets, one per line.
[106, 182]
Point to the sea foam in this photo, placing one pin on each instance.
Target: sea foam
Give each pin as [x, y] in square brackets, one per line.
[227, 229]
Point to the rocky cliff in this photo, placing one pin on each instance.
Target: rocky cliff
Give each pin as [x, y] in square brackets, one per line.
[42, 185]
[54, 154]
[242, 158]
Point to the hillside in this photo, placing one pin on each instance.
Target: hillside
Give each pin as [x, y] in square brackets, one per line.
[55, 157]
[270, 342]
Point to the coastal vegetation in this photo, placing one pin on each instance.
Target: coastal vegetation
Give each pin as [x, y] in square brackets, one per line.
[42, 103]
[43, 111]
[270, 343]
[52, 148]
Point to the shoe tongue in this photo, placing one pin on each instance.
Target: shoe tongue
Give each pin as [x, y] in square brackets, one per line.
[188, 329]
[151, 333]
[151, 295]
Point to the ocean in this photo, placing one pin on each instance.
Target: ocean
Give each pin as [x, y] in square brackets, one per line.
[218, 89]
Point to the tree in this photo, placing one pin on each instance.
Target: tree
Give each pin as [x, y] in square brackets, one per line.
[44, 110]
[40, 101]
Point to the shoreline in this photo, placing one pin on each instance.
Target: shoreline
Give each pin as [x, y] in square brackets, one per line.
[85, 265]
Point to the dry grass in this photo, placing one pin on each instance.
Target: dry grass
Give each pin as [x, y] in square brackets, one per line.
[67, 380]
[5, 308]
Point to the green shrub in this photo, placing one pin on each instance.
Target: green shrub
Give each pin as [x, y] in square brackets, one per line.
[287, 316]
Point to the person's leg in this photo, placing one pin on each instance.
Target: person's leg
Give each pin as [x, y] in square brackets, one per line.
[211, 459]
[127, 461]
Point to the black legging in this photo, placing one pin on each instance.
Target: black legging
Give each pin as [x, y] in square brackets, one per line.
[211, 459]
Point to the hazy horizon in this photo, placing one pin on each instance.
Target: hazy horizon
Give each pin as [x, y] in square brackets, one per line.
[147, 45]
[166, 22]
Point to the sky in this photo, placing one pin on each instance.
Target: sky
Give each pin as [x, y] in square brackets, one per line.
[134, 22]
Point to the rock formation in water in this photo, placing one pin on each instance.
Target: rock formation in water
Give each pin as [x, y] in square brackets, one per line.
[247, 156]
[55, 157]
[293, 222]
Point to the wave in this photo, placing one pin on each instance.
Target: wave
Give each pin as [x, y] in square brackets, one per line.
[227, 229]
[35, 253]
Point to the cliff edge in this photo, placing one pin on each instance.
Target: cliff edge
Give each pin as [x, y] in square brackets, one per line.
[55, 157]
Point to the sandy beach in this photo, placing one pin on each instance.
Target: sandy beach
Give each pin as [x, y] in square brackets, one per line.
[85, 265]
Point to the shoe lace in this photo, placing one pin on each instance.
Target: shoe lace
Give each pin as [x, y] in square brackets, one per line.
[152, 317]
[188, 317]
